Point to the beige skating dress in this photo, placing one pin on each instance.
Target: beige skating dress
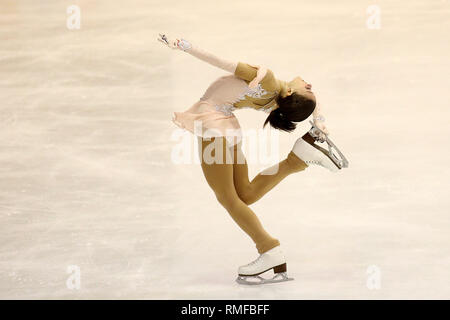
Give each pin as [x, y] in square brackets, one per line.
[212, 115]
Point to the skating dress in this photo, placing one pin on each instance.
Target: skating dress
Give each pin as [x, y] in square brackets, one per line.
[212, 115]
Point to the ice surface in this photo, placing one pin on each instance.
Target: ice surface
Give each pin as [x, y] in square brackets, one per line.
[86, 176]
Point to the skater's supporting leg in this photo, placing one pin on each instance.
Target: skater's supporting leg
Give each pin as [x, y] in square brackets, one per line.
[220, 178]
[252, 191]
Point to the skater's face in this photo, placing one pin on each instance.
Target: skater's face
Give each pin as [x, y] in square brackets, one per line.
[301, 87]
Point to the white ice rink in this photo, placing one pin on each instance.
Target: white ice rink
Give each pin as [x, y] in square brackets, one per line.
[86, 177]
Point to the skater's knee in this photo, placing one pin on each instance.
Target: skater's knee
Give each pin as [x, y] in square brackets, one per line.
[247, 196]
[226, 200]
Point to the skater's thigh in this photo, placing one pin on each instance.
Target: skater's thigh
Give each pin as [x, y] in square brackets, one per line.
[218, 173]
[238, 155]
[240, 172]
[219, 178]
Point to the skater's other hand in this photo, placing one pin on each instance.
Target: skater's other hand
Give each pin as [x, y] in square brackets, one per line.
[321, 126]
[260, 74]
[171, 43]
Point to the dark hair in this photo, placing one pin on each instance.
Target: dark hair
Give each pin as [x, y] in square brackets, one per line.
[291, 109]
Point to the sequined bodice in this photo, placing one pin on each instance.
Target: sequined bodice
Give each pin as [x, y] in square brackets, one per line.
[230, 93]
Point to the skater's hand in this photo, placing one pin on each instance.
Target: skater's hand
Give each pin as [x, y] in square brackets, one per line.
[174, 43]
[254, 83]
[321, 126]
[259, 76]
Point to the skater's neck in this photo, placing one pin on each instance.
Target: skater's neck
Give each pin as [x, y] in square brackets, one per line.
[283, 85]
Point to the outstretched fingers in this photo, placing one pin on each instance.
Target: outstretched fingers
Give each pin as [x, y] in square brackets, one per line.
[171, 43]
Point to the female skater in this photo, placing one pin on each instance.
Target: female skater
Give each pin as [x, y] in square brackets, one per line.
[222, 161]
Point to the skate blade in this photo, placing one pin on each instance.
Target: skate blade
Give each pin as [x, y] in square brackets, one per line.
[333, 152]
[258, 280]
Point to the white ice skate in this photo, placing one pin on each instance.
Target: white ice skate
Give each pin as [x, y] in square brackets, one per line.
[306, 149]
[272, 259]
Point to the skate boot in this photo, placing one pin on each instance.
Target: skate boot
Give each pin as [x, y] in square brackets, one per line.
[272, 259]
[306, 149]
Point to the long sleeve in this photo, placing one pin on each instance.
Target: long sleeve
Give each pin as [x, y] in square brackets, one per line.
[208, 57]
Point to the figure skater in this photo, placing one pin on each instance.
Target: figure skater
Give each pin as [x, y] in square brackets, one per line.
[222, 161]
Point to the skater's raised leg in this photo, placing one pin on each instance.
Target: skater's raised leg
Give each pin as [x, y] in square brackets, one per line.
[265, 181]
[220, 178]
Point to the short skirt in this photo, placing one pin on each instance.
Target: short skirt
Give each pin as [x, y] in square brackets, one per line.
[212, 115]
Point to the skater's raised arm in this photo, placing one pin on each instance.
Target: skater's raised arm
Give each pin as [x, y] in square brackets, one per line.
[199, 53]
[251, 73]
